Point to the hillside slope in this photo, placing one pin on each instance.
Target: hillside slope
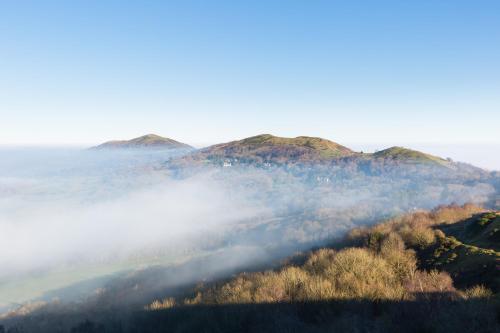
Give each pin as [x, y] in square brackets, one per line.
[379, 275]
[388, 261]
[469, 250]
[377, 279]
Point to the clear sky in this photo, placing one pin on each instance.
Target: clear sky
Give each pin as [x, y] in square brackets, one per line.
[202, 72]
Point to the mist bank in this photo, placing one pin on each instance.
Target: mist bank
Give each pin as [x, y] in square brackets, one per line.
[67, 216]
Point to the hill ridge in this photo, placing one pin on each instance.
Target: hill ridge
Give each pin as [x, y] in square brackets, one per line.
[398, 153]
[151, 141]
[265, 148]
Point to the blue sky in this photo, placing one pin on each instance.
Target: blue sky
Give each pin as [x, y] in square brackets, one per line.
[397, 72]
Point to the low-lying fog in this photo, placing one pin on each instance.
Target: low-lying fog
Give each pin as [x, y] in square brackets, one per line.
[67, 215]
[61, 208]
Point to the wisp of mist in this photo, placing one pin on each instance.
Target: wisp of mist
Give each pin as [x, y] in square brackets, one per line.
[61, 209]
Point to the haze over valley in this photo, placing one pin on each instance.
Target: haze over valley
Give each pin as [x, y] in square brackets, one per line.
[249, 166]
[91, 214]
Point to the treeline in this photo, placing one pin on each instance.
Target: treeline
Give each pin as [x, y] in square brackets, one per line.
[378, 263]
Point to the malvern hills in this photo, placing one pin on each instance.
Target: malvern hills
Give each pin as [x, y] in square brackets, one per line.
[267, 148]
[149, 141]
[253, 203]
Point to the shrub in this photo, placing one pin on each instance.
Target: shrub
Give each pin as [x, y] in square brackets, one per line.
[439, 234]
[198, 299]
[374, 240]
[269, 288]
[454, 213]
[403, 262]
[319, 261]
[477, 292]
[294, 280]
[166, 303]
[430, 282]
[358, 273]
[235, 291]
[419, 237]
[319, 288]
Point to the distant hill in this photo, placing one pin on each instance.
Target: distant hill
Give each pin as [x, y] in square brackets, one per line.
[400, 153]
[268, 148]
[149, 141]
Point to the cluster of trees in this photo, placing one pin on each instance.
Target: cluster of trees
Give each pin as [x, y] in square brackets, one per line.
[374, 280]
[379, 263]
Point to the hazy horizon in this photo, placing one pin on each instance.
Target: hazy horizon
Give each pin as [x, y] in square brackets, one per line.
[477, 154]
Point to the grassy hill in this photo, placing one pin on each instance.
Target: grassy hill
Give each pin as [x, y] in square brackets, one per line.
[149, 141]
[404, 154]
[267, 148]
[324, 148]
